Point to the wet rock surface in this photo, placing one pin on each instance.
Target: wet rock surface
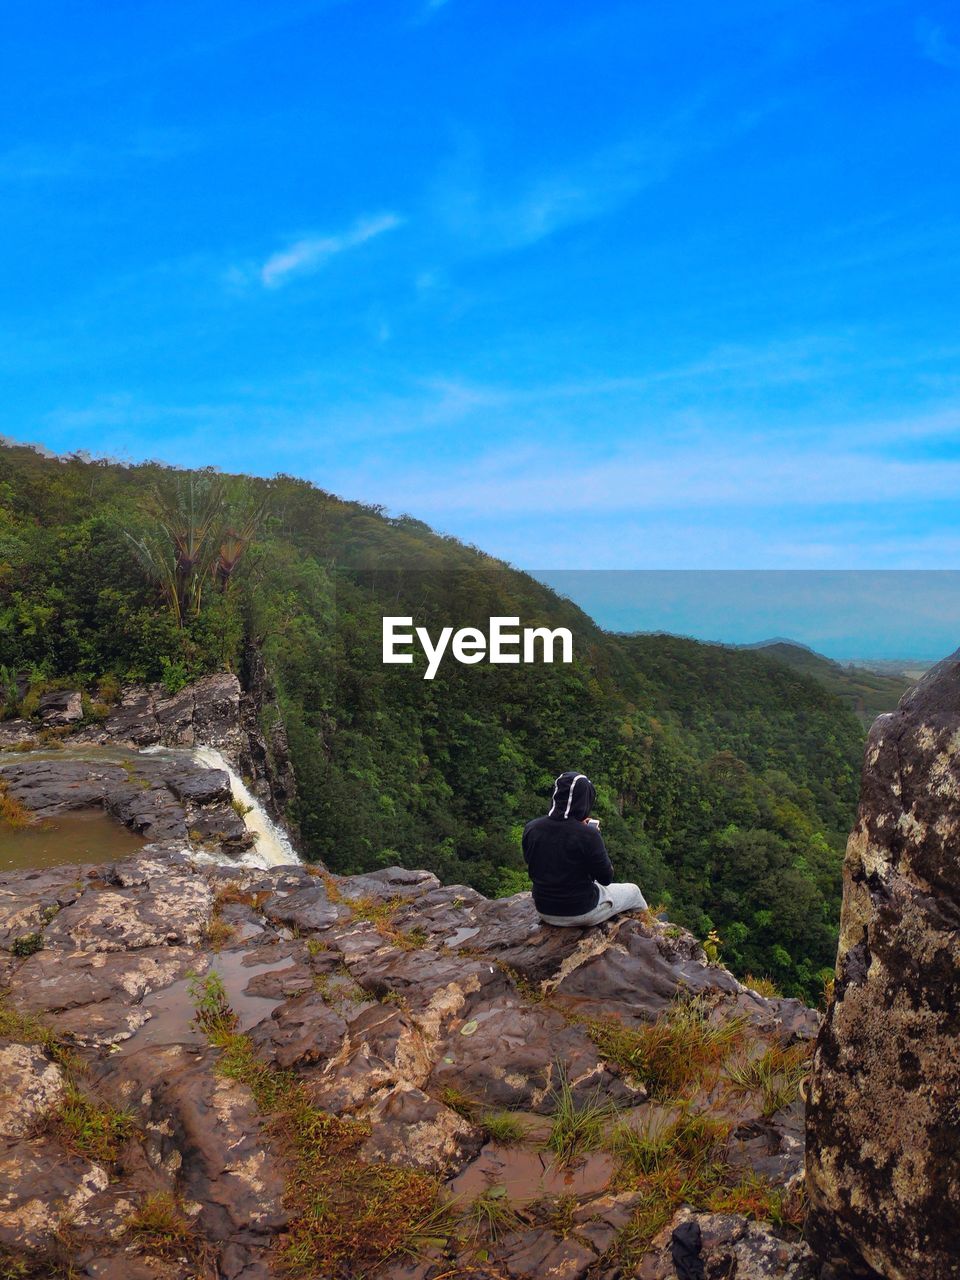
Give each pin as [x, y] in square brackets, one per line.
[415, 1008]
[453, 1030]
[883, 1127]
[160, 799]
[243, 726]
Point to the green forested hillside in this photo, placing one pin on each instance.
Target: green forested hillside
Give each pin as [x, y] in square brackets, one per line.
[727, 782]
[867, 693]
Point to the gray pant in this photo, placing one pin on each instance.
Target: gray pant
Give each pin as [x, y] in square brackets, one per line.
[613, 898]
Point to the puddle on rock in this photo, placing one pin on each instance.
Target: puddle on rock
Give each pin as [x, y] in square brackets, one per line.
[171, 1010]
[84, 836]
[529, 1174]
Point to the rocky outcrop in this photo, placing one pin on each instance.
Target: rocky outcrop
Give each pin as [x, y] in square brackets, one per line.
[883, 1124]
[409, 1007]
[245, 727]
[164, 800]
[61, 707]
[725, 1245]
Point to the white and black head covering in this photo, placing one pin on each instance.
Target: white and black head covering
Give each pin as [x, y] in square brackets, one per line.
[573, 796]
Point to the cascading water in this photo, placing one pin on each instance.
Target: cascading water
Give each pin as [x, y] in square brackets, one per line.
[273, 847]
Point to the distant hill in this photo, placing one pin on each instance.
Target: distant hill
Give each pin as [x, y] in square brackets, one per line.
[868, 693]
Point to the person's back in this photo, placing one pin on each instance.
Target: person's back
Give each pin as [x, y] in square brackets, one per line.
[568, 863]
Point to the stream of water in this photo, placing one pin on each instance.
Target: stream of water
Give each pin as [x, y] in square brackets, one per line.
[273, 847]
[94, 836]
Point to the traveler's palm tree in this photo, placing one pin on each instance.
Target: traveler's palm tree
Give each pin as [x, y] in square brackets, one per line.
[183, 548]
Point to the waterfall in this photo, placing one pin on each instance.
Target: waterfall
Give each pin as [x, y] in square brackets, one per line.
[273, 847]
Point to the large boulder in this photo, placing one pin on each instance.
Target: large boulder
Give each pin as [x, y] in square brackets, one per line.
[883, 1123]
[62, 707]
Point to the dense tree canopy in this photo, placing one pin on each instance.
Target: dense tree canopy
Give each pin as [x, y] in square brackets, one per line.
[726, 781]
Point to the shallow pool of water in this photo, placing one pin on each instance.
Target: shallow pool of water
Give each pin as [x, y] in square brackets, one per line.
[89, 835]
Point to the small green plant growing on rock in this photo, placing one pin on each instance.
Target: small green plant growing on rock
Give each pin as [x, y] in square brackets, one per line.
[93, 1129]
[578, 1127]
[491, 1215]
[458, 1101]
[776, 1075]
[25, 1028]
[711, 946]
[239, 808]
[160, 1222]
[212, 1012]
[503, 1127]
[27, 944]
[752, 1197]
[414, 939]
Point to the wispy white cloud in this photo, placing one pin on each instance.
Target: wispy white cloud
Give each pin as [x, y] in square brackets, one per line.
[935, 45]
[312, 252]
[586, 189]
[468, 201]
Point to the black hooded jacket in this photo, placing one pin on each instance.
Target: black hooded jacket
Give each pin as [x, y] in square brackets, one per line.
[566, 858]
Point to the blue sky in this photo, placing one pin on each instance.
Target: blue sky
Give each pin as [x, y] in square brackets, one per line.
[590, 285]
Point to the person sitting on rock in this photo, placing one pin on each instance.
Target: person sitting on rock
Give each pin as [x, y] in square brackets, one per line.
[568, 862]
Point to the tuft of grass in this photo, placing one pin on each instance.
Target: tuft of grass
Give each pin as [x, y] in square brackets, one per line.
[346, 1211]
[776, 1076]
[414, 939]
[378, 911]
[315, 946]
[765, 987]
[458, 1101]
[52, 1262]
[27, 1029]
[676, 1054]
[752, 1197]
[339, 990]
[218, 932]
[558, 1213]
[577, 1127]
[682, 1163]
[503, 1127]
[163, 1229]
[12, 812]
[92, 1129]
[692, 1139]
[490, 1216]
[528, 990]
[239, 808]
[160, 1221]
